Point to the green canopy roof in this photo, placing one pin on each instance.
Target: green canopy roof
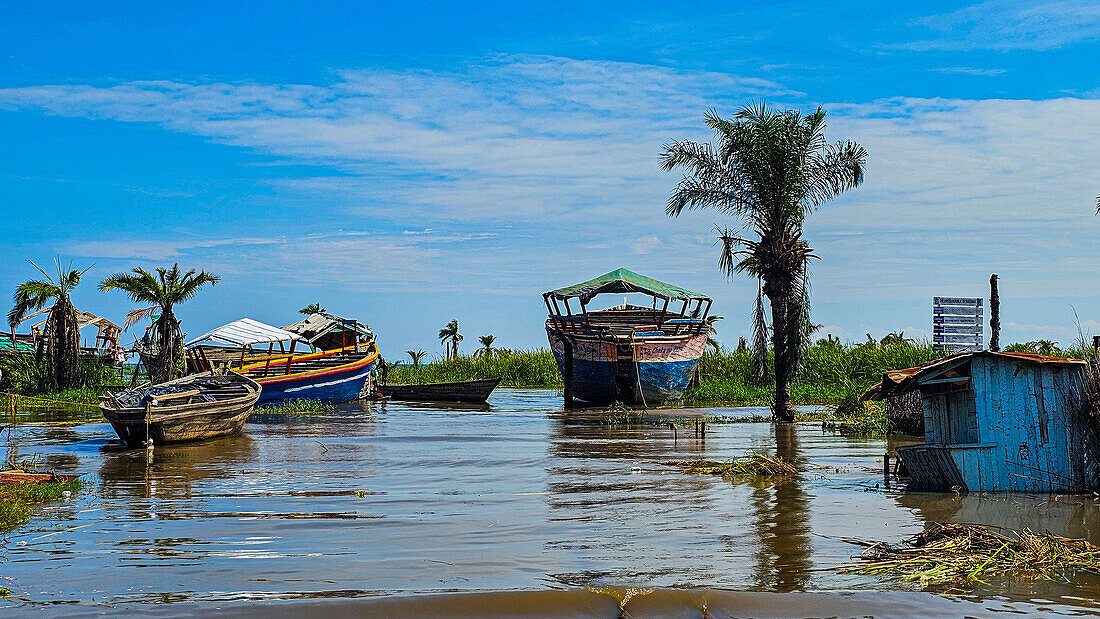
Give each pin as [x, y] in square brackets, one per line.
[625, 281]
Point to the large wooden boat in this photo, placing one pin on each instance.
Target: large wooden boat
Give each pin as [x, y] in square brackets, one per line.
[336, 370]
[471, 391]
[191, 408]
[628, 353]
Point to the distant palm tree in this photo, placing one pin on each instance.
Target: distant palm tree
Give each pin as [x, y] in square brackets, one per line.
[449, 337]
[712, 331]
[165, 289]
[58, 350]
[486, 349]
[770, 169]
[417, 356]
[312, 308]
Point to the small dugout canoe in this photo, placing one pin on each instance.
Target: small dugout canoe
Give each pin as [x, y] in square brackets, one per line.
[192, 408]
[473, 391]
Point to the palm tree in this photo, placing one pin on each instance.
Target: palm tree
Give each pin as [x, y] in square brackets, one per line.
[712, 331]
[312, 308]
[165, 289]
[57, 352]
[450, 337]
[417, 356]
[769, 169]
[486, 349]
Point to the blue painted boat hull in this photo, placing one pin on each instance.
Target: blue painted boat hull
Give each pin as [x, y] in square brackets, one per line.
[661, 371]
[325, 386]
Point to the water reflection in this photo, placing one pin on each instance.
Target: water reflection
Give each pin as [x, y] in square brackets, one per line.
[782, 524]
[173, 470]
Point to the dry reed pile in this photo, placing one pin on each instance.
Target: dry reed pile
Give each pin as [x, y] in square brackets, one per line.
[958, 554]
[754, 465]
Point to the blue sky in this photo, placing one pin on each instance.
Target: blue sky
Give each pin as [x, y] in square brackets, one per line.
[412, 164]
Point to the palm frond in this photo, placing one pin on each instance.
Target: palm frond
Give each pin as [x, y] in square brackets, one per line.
[29, 296]
[135, 316]
[761, 373]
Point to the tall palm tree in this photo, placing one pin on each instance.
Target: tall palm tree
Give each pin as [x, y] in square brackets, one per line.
[486, 349]
[450, 337]
[312, 308]
[57, 352]
[165, 289]
[769, 169]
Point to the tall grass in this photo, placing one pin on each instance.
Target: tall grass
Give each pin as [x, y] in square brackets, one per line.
[16, 499]
[831, 373]
[521, 368]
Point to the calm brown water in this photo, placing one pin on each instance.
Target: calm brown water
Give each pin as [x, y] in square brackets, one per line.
[398, 500]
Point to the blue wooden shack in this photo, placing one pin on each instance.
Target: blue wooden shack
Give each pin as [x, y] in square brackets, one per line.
[993, 422]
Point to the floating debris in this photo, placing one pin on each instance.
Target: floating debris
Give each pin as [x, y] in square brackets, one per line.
[958, 554]
[754, 465]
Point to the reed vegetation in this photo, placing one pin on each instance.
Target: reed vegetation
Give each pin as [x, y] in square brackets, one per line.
[520, 368]
[298, 407]
[754, 465]
[16, 499]
[830, 373]
[966, 554]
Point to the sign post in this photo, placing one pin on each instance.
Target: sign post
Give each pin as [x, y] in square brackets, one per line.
[957, 323]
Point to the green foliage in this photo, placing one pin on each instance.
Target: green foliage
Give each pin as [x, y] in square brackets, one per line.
[24, 374]
[830, 373]
[298, 407]
[16, 499]
[522, 368]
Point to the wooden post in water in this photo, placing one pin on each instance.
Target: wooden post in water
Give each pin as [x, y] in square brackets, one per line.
[567, 372]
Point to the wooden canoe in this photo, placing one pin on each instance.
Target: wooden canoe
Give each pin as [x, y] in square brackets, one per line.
[467, 391]
[192, 408]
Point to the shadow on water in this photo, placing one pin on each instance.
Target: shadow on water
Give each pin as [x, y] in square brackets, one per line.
[782, 524]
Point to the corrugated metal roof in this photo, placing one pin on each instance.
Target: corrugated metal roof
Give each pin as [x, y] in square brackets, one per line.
[243, 332]
[905, 380]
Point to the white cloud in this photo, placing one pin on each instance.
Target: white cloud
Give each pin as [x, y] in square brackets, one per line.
[529, 172]
[1005, 25]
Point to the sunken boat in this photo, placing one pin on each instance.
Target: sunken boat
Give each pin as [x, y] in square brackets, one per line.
[627, 353]
[192, 408]
[324, 357]
[469, 391]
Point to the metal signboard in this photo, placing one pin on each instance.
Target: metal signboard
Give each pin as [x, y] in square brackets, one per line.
[957, 323]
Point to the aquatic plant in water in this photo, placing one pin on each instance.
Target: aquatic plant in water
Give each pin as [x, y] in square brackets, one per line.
[962, 554]
[754, 465]
[16, 499]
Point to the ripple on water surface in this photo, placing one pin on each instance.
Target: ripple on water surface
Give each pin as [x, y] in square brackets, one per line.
[386, 498]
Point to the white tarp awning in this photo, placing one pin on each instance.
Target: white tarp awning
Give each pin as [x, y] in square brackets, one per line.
[244, 332]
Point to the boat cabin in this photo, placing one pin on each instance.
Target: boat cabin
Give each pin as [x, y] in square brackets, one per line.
[994, 421]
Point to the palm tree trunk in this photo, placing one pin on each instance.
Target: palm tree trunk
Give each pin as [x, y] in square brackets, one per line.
[777, 289]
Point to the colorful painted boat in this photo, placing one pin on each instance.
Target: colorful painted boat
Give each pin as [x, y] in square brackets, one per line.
[338, 374]
[628, 353]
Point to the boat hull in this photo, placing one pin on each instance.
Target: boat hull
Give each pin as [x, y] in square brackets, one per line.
[182, 423]
[659, 370]
[342, 383]
[473, 391]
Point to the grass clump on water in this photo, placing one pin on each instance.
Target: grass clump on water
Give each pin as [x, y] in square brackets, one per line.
[961, 554]
[16, 498]
[298, 407]
[753, 465]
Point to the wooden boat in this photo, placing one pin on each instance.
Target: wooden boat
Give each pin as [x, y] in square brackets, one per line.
[628, 353]
[336, 374]
[191, 408]
[473, 391]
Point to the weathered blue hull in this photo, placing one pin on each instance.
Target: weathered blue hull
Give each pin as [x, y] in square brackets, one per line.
[657, 372]
[341, 384]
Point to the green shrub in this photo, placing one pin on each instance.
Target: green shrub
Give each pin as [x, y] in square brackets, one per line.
[521, 368]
